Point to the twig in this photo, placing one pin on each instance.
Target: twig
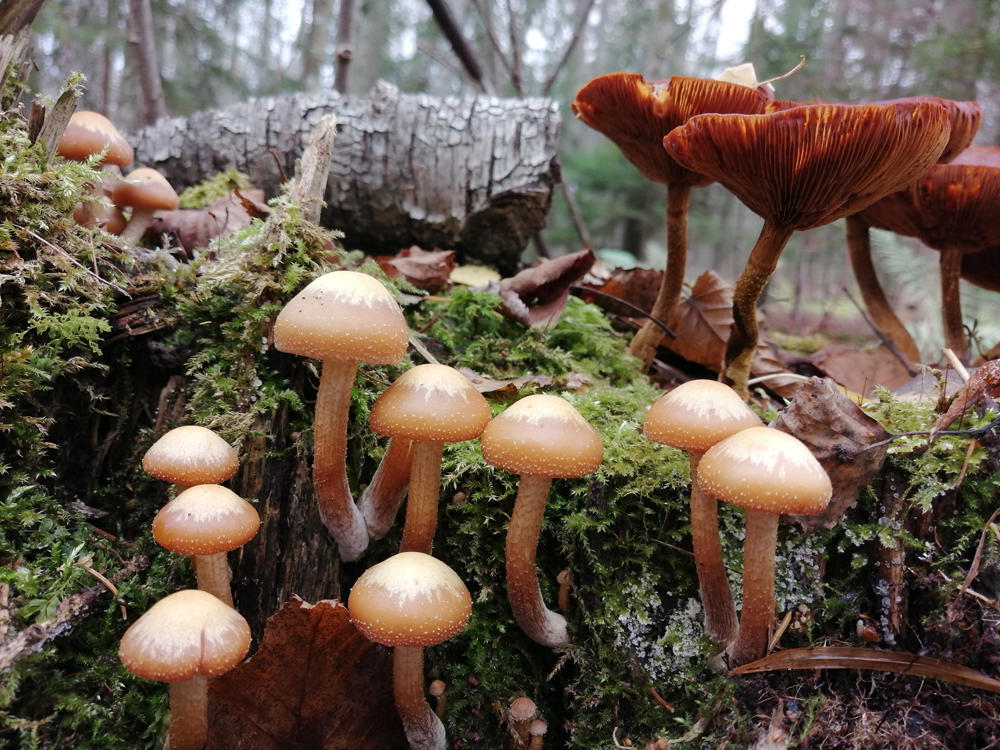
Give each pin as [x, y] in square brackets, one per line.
[579, 291]
[581, 22]
[956, 364]
[70, 610]
[910, 369]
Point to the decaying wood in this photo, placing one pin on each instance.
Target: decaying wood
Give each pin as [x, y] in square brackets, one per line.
[474, 175]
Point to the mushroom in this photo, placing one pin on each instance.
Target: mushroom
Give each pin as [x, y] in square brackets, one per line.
[430, 405]
[693, 417]
[190, 455]
[146, 191]
[768, 473]
[381, 499]
[90, 133]
[536, 731]
[207, 521]
[539, 437]
[437, 690]
[520, 713]
[341, 318]
[951, 209]
[409, 601]
[184, 639]
[800, 168]
[965, 118]
[635, 114]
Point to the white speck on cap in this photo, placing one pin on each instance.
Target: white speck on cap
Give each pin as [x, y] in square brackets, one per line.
[204, 520]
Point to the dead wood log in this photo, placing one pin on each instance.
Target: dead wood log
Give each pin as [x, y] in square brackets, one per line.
[474, 175]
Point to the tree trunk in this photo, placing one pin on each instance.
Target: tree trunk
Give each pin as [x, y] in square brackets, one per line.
[342, 63]
[143, 44]
[473, 175]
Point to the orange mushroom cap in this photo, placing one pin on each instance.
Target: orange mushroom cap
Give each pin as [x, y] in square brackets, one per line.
[409, 599]
[767, 470]
[431, 402]
[185, 634]
[89, 133]
[204, 520]
[696, 415]
[809, 165]
[190, 455]
[343, 315]
[145, 188]
[635, 114]
[542, 435]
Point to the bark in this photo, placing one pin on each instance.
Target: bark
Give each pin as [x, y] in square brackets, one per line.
[473, 175]
[143, 45]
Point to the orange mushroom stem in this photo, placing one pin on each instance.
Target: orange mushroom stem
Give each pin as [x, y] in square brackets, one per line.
[380, 501]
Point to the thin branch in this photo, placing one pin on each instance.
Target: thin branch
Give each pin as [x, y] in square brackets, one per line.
[342, 63]
[581, 24]
[449, 27]
[487, 20]
[515, 50]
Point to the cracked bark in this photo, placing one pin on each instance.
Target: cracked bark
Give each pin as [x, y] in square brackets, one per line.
[474, 175]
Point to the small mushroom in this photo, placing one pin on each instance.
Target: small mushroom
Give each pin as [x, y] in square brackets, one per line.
[693, 417]
[800, 168]
[190, 455]
[207, 521]
[536, 731]
[145, 191]
[341, 318]
[89, 133]
[430, 405]
[408, 602]
[539, 437]
[437, 690]
[635, 114]
[520, 713]
[184, 639]
[768, 473]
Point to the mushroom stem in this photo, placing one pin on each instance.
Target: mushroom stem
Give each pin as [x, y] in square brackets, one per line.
[138, 222]
[536, 620]
[664, 308]
[188, 726]
[384, 494]
[337, 509]
[721, 623]
[744, 335]
[424, 730]
[758, 586]
[421, 508]
[859, 250]
[951, 303]
[213, 575]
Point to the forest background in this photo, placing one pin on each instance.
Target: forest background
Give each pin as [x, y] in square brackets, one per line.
[145, 59]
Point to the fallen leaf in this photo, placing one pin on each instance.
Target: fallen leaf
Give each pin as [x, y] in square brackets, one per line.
[474, 276]
[983, 384]
[848, 443]
[636, 285]
[538, 295]
[853, 657]
[425, 269]
[860, 370]
[704, 318]
[193, 228]
[486, 384]
[315, 683]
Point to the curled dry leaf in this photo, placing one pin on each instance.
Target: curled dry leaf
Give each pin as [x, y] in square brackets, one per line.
[852, 657]
[983, 384]
[425, 269]
[538, 295]
[486, 384]
[316, 683]
[193, 228]
[847, 442]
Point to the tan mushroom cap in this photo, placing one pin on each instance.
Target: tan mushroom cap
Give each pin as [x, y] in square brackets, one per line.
[433, 403]
[542, 435]
[145, 188]
[204, 520]
[809, 165]
[343, 315]
[410, 599]
[696, 415]
[767, 470]
[185, 634]
[635, 114]
[189, 455]
[89, 133]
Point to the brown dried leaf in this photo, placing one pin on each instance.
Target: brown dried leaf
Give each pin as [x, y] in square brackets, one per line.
[704, 319]
[842, 437]
[635, 285]
[193, 228]
[315, 683]
[860, 371]
[425, 269]
[984, 383]
[538, 295]
[852, 657]
[486, 384]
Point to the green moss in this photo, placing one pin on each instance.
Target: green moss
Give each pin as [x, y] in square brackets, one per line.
[214, 187]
